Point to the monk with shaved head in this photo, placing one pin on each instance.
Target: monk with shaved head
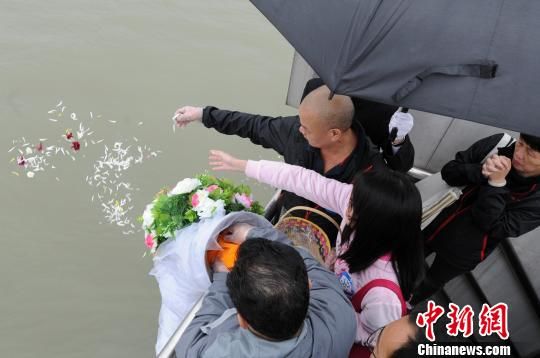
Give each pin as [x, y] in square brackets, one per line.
[323, 138]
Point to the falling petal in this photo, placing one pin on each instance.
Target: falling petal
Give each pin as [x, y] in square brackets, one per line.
[111, 121]
[53, 120]
[140, 123]
[63, 108]
[15, 173]
[9, 151]
[91, 115]
[60, 103]
[135, 139]
[57, 179]
[52, 111]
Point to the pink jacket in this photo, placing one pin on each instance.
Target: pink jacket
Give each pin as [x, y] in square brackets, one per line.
[380, 306]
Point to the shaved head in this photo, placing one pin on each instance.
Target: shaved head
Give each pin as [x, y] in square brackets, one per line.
[335, 113]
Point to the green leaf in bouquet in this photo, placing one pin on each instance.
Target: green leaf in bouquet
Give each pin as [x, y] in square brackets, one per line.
[242, 188]
[257, 208]
[232, 206]
[207, 180]
[191, 216]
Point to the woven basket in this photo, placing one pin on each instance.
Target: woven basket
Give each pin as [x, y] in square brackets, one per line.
[305, 233]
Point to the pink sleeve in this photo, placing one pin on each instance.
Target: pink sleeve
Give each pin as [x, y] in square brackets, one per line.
[328, 193]
[380, 306]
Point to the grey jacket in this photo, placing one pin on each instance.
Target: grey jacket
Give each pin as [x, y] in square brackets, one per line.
[328, 331]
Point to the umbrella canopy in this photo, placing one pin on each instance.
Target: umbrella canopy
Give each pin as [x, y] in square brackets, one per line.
[476, 60]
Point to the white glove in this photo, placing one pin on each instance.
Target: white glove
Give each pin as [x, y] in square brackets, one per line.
[403, 122]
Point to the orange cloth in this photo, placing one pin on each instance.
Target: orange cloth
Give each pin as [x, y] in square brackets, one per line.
[227, 255]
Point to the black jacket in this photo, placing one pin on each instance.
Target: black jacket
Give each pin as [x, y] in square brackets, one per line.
[282, 135]
[469, 230]
[374, 117]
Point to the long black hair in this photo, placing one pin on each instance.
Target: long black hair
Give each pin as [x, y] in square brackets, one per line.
[386, 217]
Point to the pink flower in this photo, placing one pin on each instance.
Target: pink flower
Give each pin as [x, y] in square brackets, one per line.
[211, 188]
[75, 145]
[195, 200]
[149, 241]
[244, 199]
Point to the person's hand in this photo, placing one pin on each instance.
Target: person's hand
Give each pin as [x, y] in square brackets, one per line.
[219, 266]
[220, 160]
[496, 168]
[403, 122]
[237, 233]
[185, 115]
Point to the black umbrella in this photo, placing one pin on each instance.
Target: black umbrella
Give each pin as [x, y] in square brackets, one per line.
[471, 59]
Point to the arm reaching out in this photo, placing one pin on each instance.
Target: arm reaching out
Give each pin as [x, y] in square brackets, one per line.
[308, 184]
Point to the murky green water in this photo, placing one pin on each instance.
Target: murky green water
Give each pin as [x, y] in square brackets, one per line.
[71, 287]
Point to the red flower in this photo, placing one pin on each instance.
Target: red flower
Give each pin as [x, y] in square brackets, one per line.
[69, 135]
[75, 145]
[21, 161]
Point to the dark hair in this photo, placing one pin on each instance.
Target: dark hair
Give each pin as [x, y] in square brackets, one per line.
[386, 218]
[532, 141]
[269, 287]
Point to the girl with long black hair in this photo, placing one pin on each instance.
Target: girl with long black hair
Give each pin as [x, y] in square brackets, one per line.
[380, 251]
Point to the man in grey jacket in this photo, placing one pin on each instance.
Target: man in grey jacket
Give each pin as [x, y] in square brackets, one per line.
[277, 301]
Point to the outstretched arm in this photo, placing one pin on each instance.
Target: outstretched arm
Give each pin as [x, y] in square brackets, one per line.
[270, 132]
[328, 193]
